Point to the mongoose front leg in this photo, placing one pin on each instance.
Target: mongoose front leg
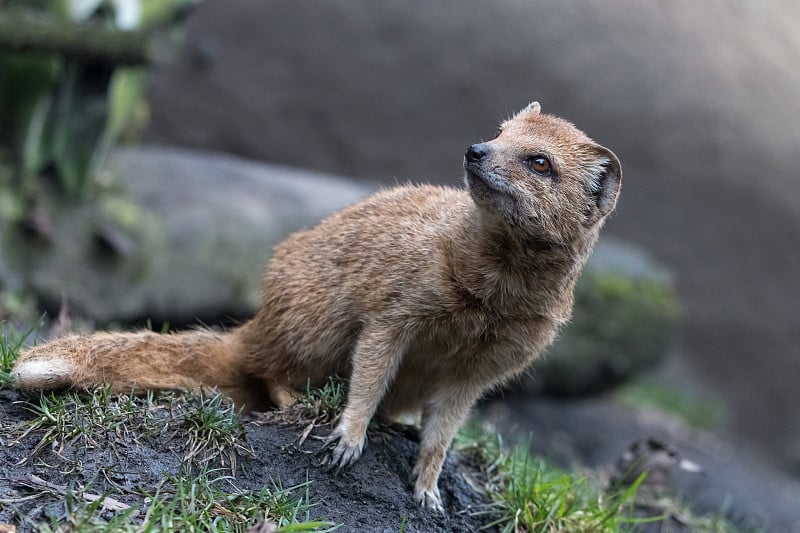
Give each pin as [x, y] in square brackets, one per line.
[375, 362]
[442, 416]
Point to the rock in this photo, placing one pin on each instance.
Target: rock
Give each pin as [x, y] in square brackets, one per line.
[186, 239]
[624, 317]
[698, 99]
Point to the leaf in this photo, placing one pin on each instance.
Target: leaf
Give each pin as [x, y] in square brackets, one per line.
[79, 125]
[125, 96]
[34, 152]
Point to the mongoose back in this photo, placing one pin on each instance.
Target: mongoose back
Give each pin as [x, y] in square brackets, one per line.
[426, 297]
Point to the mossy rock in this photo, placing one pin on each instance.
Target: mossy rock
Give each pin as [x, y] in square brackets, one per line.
[623, 322]
[179, 236]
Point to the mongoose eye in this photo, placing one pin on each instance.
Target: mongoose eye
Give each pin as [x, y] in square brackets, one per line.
[540, 164]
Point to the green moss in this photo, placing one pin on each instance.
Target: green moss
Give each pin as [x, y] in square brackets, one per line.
[697, 412]
[11, 206]
[122, 211]
[621, 325]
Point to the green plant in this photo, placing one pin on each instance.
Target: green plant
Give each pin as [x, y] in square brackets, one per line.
[210, 502]
[11, 342]
[324, 404]
[316, 406]
[213, 430]
[206, 432]
[538, 497]
[206, 424]
[62, 107]
[530, 495]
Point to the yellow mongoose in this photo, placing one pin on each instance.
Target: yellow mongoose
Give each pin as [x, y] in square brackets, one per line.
[424, 296]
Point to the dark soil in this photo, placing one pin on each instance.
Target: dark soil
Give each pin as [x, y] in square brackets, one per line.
[375, 495]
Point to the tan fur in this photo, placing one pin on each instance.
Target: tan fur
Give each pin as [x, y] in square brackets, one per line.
[425, 296]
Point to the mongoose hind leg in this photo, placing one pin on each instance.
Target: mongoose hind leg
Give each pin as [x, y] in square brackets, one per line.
[281, 396]
[441, 417]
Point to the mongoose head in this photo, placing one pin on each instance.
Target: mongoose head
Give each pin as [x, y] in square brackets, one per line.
[544, 177]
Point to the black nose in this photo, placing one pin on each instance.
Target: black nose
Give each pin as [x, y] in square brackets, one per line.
[476, 152]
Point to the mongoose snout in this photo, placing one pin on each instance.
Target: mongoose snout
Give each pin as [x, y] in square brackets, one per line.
[476, 152]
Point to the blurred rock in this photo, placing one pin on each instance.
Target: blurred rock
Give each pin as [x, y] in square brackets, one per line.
[186, 238]
[593, 432]
[623, 322]
[698, 99]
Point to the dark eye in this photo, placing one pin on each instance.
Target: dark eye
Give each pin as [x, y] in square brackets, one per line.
[540, 164]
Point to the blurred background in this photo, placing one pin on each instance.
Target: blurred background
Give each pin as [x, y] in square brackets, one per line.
[151, 153]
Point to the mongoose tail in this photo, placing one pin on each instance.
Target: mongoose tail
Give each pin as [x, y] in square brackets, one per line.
[143, 361]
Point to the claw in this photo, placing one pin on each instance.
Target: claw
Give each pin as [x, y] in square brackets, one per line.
[330, 439]
[429, 499]
[344, 455]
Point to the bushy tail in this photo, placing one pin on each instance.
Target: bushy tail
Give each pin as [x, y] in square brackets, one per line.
[136, 361]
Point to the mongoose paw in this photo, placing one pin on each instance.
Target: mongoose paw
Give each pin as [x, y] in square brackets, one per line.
[429, 498]
[346, 452]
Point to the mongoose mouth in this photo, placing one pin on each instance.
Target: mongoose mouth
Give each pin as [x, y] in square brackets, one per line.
[481, 180]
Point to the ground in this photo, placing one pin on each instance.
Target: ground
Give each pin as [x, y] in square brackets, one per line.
[97, 461]
[163, 460]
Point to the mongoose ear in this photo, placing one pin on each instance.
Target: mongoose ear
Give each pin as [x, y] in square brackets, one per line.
[532, 108]
[605, 180]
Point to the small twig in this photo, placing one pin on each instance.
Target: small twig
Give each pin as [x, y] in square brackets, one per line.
[37, 481]
[305, 434]
[108, 503]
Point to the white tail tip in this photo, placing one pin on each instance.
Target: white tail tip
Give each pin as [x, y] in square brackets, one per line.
[42, 374]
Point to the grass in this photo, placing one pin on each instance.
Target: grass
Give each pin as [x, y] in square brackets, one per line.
[204, 428]
[213, 429]
[11, 342]
[209, 501]
[538, 497]
[527, 493]
[324, 404]
[206, 425]
[316, 406]
[530, 495]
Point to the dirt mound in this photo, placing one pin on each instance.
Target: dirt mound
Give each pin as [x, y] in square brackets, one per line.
[142, 455]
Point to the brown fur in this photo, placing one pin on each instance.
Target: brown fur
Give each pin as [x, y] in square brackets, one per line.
[425, 296]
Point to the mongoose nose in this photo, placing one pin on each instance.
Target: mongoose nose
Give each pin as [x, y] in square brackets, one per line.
[476, 152]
